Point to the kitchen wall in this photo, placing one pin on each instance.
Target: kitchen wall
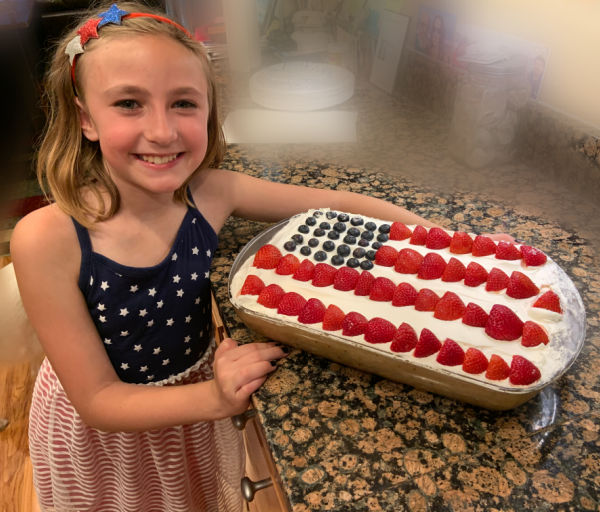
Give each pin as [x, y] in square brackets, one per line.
[568, 28]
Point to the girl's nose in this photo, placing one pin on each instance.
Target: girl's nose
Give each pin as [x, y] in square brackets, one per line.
[160, 128]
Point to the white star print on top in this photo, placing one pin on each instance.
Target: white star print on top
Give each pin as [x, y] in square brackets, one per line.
[143, 312]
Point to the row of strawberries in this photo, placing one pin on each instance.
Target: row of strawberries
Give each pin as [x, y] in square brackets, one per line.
[462, 243]
[379, 330]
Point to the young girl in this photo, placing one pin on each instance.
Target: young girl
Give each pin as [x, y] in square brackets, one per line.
[131, 407]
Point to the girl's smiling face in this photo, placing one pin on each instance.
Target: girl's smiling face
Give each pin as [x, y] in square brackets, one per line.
[145, 101]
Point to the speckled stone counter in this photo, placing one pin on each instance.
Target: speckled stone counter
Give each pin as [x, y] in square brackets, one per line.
[345, 440]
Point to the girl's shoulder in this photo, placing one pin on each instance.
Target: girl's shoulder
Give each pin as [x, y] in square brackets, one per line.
[45, 234]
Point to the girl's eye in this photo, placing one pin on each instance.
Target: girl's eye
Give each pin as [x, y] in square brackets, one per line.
[127, 104]
[184, 104]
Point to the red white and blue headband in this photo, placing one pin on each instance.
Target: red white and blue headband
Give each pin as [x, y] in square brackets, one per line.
[114, 15]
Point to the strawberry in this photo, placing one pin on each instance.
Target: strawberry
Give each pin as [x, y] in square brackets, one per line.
[475, 361]
[408, 261]
[451, 353]
[523, 372]
[291, 304]
[399, 231]
[533, 257]
[432, 267]
[475, 274]
[253, 285]
[364, 283]
[345, 279]
[267, 256]
[497, 368]
[475, 315]
[382, 290]
[386, 256]
[405, 339]
[379, 330]
[437, 238]
[454, 271]
[287, 265]
[548, 300]
[533, 335]
[428, 344]
[503, 324]
[313, 312]
[332, 321]
[449, 307]
[426, 300]
[404, 295]
[483, 246]
[419, 236]
[507, 251]
[497, 280]
[305, 271]
[270, 296]
[323, 275]
[354, 324]
[520, 286]
[461, 243]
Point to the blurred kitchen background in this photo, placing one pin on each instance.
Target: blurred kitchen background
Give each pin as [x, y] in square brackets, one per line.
[498, 98]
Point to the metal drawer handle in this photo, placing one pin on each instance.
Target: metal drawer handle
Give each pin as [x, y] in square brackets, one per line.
[239, 421]
[250, 488]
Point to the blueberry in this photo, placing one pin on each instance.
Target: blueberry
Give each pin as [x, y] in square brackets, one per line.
[303, 229]
[363, 243]
[313, 242]
[311, 221]
[367, 235]
[371, 226]
[320, 256]
[298, 238]
[328, 245]
[340, 227]
[354, 232]
[319, 232]
[376, 245]
[337, 260]
[366, 265]
[331, 215]
[333, 235]
[352, 262]
[290, 246]
[343, 250]
[349, 239]
[382, 237]
[325, 225]
[359, 252]
[356, 221]
[317, 213]
[305, 250]
[384, 228]
[370, 255]
[343, 217]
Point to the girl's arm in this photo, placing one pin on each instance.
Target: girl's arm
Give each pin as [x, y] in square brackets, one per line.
[221, 193]
[46, 258]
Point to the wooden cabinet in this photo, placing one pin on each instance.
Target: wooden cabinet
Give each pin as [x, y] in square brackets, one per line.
[260, 467]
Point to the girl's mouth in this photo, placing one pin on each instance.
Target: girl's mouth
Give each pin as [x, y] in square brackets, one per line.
[158, 159]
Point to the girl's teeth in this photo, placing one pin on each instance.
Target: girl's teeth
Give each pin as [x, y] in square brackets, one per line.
[158, 159]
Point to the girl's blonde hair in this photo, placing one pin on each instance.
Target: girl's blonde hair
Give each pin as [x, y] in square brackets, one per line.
[69, 165]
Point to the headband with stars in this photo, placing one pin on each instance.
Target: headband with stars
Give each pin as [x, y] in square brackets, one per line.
[89, 30]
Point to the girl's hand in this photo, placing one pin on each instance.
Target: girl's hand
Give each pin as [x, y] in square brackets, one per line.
[241, 370]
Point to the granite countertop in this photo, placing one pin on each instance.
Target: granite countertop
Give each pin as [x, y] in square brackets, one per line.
[345, 440]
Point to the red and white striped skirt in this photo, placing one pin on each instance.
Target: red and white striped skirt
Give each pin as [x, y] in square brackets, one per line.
[78, 468]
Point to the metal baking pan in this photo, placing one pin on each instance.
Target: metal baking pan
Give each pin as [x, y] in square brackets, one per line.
[399, 367]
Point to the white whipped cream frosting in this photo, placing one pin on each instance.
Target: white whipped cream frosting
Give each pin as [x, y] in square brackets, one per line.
[565, 331]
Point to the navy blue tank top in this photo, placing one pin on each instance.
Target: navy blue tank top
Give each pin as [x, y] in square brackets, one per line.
[155, 322]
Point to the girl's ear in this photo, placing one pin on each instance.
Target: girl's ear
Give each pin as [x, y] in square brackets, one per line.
[87, 125]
